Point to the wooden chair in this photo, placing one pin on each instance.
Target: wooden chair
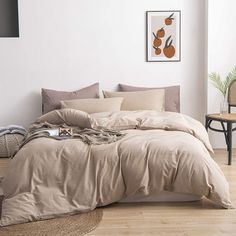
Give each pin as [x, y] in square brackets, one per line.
[232, 96]
[228, 119]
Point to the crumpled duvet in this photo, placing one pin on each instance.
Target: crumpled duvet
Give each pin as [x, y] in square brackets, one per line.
[87, 135]
[161, 151]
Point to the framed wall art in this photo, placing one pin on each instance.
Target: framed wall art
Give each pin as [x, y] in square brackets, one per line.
[163, 39]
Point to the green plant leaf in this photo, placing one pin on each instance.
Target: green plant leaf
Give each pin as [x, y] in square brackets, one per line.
[223, 86]
[229, 79]
[217, 82]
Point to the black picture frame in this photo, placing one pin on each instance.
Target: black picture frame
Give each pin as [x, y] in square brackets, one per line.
[9, 19]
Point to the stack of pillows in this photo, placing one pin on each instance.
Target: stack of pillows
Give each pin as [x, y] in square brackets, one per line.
[128, 98]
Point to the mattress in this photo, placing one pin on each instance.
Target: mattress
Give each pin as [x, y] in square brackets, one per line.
[164, 196]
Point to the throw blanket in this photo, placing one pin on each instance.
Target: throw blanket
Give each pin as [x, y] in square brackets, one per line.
[87, 135]
[161, 151]
[12, 129]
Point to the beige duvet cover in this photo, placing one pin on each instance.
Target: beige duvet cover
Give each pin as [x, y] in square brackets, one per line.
[161, 151]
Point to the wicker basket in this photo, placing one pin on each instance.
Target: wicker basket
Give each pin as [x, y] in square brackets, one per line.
[9, 144]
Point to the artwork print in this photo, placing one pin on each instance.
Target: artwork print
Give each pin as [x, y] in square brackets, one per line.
[163, 35]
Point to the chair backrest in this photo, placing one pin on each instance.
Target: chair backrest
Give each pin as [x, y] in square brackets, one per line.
[232, 95]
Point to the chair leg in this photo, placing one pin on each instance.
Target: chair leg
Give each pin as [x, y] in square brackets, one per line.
[206, 124]
[229, 146]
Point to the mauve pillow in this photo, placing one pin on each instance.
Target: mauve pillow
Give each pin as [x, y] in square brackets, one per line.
[51, 98]
[172, 95]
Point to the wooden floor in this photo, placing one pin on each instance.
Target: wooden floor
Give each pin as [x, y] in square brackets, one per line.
[200, 218]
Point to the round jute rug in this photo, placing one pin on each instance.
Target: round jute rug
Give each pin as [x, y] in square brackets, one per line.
[73, 225]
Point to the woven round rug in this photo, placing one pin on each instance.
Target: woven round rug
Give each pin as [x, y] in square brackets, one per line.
[73, 225]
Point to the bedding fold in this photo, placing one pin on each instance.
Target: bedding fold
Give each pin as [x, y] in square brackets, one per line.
[160, 151]
[87, 135]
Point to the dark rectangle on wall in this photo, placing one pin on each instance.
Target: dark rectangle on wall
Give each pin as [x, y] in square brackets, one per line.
[9, 25]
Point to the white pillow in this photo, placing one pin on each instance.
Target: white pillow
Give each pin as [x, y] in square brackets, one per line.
[141, 100]
[94, 105]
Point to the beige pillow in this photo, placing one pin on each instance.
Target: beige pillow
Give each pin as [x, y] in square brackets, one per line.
[141, 100]
[94, 105]
[172, 95]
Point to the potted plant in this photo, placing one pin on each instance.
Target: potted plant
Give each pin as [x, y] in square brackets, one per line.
[222, 86]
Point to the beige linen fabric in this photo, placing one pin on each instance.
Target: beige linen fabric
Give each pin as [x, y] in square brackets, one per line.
[165, 152]
[172, 95]
[67, 116]
[94, 105]
[141, 100]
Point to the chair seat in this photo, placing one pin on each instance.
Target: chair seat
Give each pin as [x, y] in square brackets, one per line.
[230, 117]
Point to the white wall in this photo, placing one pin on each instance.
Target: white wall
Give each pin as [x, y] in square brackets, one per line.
[69, 44]
[221, 53]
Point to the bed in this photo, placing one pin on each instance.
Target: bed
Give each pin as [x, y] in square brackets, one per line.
[114, 156]
[160, 151]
